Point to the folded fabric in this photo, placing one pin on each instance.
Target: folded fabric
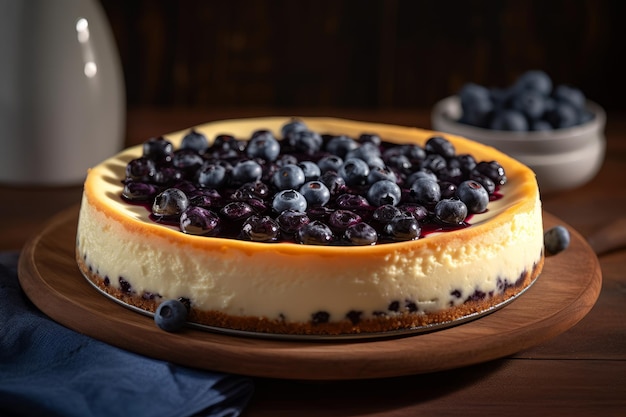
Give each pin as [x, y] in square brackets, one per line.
[49, 370]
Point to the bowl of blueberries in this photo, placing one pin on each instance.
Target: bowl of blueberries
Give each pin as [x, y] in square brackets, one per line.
[552, 128]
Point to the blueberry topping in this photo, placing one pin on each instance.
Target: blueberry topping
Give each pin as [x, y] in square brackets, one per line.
[288, 200]
[330, 163]
[195, 141]
[426, 191]
[403, 227]
[315, 233]
[384, 192]
[171, 315]
[556, 240]
[451, 211]
[237, 211]
[474, 195]
[263, 145]
[361, 234]
[288, 176]
[247, 171]
[440, 146]
[158, 149]
[199, 221]
[170, 203]
[291, 220]
[139, 191]
[310, 169]
[260, 229]
[354, 171]
[340, 220]
[141, 169]
[316, 193]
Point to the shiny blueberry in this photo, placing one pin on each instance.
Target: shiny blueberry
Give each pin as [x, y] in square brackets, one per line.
[361, 234]
[493, 170]
[451, 211]
[199, 221]
[237, 211]
[330, 163]
[170, 203]
[187, 160]
[158, 149]
[310, 169]
[556, 240]
[247, 171]
[171, 315]
[139, 191]
[440, 146]
[316, 193]
[141, 169]
[314, 233]
[211, 175]
[260, 229]
[378, 173]
[288, 200]
[384, 192]
[354, 202]
[333, 181]
[474, 195]
[403, 227]
[340, 220]
[385, 213]
[291, 220]
[289, 176]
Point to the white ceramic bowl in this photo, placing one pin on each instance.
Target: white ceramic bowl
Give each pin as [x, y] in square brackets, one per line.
[562, 159]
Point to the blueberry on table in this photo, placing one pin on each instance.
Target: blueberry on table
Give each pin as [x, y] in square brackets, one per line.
[171, 315]
[556, 240]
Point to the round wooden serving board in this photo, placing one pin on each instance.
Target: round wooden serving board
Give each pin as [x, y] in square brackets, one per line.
[561, 296]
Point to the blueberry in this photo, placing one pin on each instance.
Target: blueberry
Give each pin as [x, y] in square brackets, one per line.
[476, 104]
[484, 180]
[330, 163]
[422, 173]
[571, 95]
[354, 202]
[211, 175]
[535, 80]
[474, 195]
[333, 182]
[250, 190]
[361, 234]
[384, 192]
[171, 315]
[465, 162]
[292, 126]
[368, 138]
[540, 125]
[263, 145]
[354, 171]
[378, 173]
[170, 203]
[531, 103]
[141, 169]
[206, 198]
[315, 233]
[369, 153]
[403, 227]
[237, 211]
[399, 162]
[415, 210]
[340, 220]
[385, 213]
[166, 174]
[556, 240]
[195, 141]
[247, 171]
[305, 141]
[341, 145]
[310, 169]
[199, 221]
[563, 115]
[315, 193]
[448, 189]
[440, 146]
[493, 170]
[288, 200]
[291, 220]
[260, 229]
[451, 211]
[187, 160]
[426, 192]
[226, 144]
[434, 163]
[139, 191]
[158, 149]
[510, 120]
[288, 177]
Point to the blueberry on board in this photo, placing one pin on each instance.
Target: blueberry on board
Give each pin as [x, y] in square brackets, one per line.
[195, 141]
[556, 240]
[171, 315]
[170, 203]
[361, 234]
[315, 233]
[316, 193]
[263, 145]
[474, 195]
[199, 221]
[510, 120]
[288, 200]
[384, 192]
[289, 176]
[451, 211]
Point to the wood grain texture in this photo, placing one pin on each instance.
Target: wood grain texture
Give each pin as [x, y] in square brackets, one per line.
[563, 294]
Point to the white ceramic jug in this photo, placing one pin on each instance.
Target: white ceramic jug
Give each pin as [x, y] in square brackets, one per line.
[62, 97]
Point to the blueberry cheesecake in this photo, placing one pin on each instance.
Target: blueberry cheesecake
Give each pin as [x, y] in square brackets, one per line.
[311, 226]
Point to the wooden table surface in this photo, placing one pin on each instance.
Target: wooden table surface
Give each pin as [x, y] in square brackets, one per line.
[580, 372]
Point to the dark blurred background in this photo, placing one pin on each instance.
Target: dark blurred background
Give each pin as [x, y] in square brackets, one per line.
[358, 53]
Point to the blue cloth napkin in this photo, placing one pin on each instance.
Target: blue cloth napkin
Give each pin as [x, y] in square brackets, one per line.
[49, 370]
